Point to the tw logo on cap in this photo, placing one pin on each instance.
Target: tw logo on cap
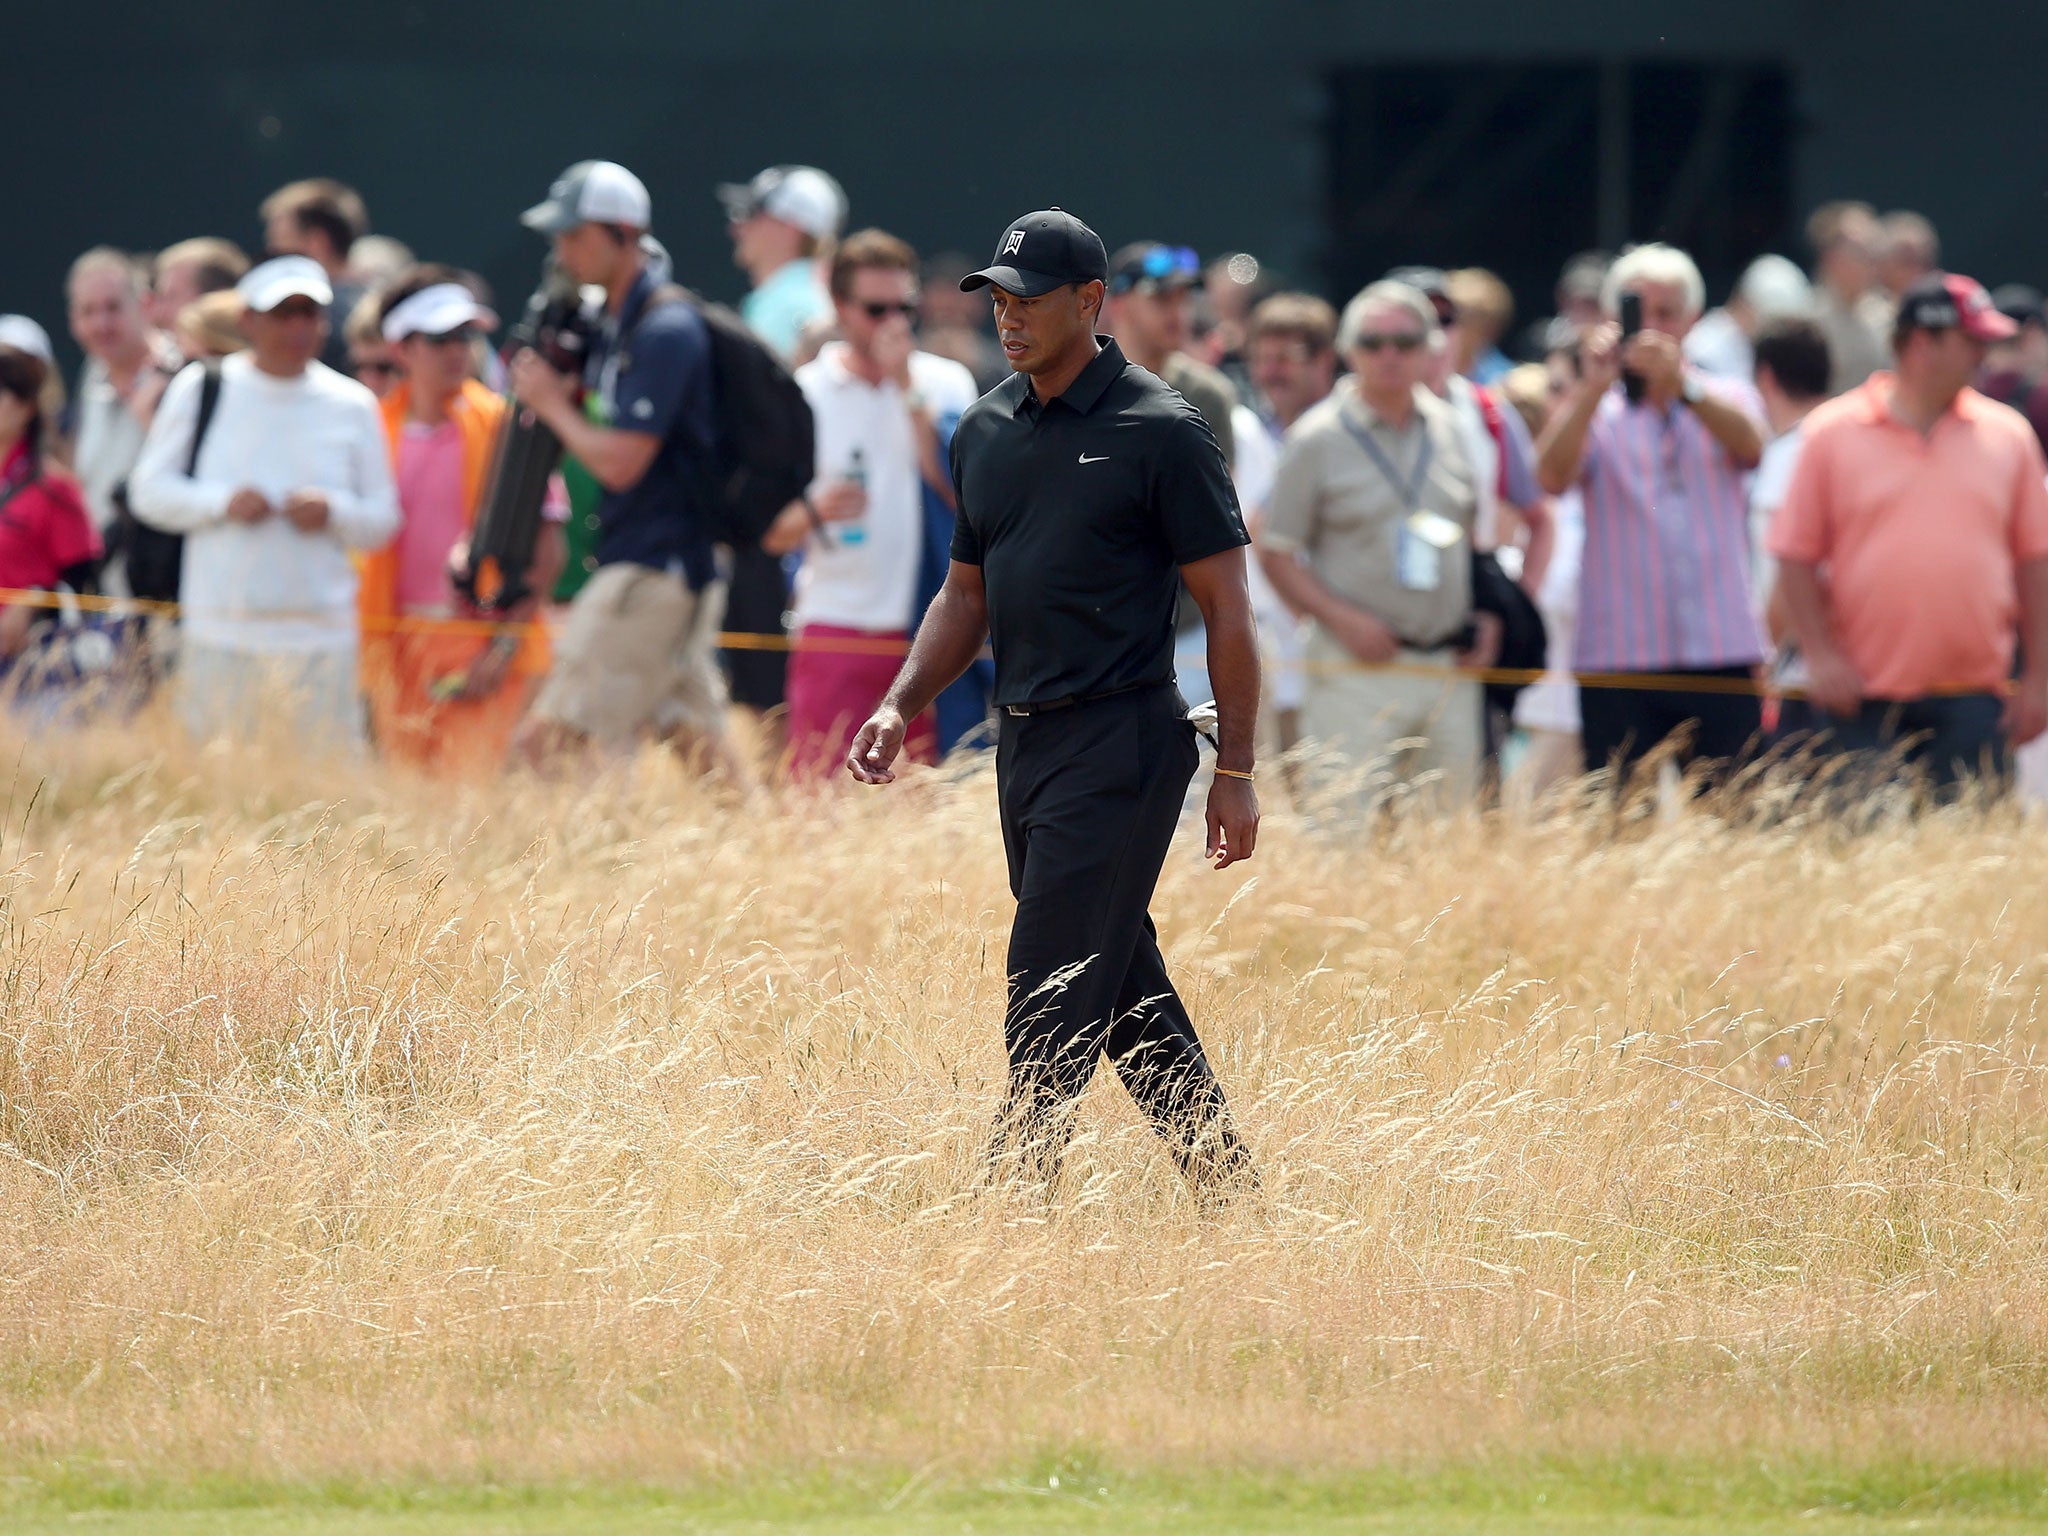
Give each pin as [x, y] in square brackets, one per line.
[1013, 242]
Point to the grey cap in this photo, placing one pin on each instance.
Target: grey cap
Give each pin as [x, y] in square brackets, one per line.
[592, 192]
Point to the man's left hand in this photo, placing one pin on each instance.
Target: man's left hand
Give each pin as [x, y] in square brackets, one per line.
[1233, 818]
[537, 386]
[1656, 357]
[306, 511]
[1484, 650]
[2026, 708]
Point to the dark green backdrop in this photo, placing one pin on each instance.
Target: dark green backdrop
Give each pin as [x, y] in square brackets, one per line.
[1330, 138]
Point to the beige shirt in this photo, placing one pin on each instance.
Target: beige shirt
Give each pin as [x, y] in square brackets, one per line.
[1336, 509]
[1857, 344]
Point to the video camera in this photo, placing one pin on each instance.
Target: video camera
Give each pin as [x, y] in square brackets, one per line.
[560, 325]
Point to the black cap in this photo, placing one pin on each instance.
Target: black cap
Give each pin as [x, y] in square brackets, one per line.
[2020, 303]
[1942, 301]
[1153, 266]
[1040, 252]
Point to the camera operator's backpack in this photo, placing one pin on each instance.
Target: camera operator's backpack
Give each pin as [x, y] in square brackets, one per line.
[766, 451]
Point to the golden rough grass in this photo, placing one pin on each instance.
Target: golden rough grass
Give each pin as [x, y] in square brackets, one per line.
[351, 1127]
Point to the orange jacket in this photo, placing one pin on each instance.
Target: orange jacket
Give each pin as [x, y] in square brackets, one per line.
[477, 413]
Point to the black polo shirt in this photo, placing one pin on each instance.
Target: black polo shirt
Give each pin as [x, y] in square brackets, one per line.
[1081, 513]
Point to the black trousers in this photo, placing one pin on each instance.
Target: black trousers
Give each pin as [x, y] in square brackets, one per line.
[1622, 726]
[1090, 797]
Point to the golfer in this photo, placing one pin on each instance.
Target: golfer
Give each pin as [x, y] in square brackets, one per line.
[1088, 491]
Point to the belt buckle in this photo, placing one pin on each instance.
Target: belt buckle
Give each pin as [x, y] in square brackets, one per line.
[1020, 711]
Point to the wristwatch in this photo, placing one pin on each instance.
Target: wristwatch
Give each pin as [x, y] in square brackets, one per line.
[1691, 390]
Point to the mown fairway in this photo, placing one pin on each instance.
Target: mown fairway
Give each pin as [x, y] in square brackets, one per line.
[384, 1156]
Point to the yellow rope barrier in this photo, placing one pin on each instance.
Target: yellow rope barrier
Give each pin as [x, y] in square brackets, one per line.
[855, 645]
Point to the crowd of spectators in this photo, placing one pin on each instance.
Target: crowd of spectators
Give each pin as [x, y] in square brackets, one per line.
[1812, 516]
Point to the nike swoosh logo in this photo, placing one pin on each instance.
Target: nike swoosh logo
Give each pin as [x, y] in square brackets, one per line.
[1099, 458]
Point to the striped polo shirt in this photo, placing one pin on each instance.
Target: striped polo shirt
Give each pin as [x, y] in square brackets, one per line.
[1666, 576]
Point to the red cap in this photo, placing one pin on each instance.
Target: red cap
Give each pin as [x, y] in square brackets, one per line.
[1944, 300]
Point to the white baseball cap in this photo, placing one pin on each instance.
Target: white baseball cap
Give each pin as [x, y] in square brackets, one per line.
[24, 335]
[435, 311]
[1776, 289]
[284, 277]
[801, 195]
[592, 192]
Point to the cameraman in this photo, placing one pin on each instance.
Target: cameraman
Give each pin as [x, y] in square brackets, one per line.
[637, 651]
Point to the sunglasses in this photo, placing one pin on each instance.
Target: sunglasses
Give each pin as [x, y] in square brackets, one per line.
[462, 335]
[377, 365]
[908, 309]
[1400, 341]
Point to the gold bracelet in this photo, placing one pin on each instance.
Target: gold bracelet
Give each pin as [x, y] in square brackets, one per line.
[1232, 773]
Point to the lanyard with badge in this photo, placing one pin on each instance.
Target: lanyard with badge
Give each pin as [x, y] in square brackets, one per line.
[1422, 536]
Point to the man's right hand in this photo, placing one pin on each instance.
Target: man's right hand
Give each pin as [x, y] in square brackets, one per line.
[1833, 684]
[841, 501]
[248, 505]
[1364, 636]
[875, 748]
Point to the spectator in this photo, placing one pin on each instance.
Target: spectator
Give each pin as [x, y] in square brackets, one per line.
[1233, 286]
[1497, 445]
[190, 270]
[1847, 242]
[1911, 251]
[1577, 300]
[1150, 289]
[1485, 311]
[636, 651]
[372, 361]
[1547, 711]
[956, 323]
[1913, 551]
[322, 219]
[127, 364]
[288, 479]
[211, 326]
[1665, 584]
[46, 535]
[1368, 531]
[1792, 370]
[782, 223]
[1148, 309]
[378, 261]
[444, 700]
[1291, 355]
[884, 414]
[2016, 370]
[1771, 288]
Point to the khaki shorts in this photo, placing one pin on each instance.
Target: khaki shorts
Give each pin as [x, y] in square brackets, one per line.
[638, 652]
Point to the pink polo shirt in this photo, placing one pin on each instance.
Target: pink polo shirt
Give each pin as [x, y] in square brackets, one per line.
[430, 496]
[1922, 536]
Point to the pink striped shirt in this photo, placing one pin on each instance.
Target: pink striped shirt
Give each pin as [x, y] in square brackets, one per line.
[1665, 582]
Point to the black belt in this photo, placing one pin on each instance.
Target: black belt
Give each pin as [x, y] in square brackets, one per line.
[1046, 706]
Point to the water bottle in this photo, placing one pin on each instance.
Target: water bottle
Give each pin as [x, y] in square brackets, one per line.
[855, 531]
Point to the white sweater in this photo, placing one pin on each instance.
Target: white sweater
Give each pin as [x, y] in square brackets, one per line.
[266, 587]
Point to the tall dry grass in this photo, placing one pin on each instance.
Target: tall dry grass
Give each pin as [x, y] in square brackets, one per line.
[354, 1127]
